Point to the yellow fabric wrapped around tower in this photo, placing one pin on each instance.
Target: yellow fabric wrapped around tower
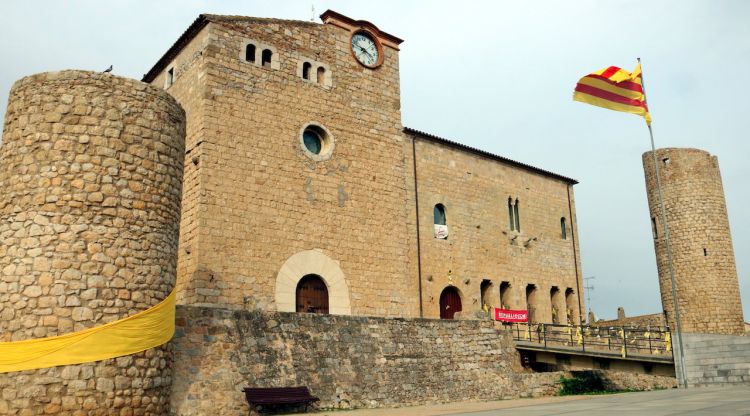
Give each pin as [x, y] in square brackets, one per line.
[136, 333]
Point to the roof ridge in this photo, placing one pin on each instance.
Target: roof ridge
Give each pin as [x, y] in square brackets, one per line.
[219, 18]
[487, 154]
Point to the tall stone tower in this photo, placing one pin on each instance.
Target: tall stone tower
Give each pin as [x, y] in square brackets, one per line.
[90, 182]
[703, 258]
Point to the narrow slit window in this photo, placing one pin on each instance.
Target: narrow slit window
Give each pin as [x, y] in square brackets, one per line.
[563, 229]
[510, 215]
[439, 214]
[266, 58]
[306, 70]
[516, 216]
[321, 75]
[654, 228]
[170, 77]
[250, 52]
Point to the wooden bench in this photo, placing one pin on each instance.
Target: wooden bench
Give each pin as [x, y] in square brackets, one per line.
[266, 396]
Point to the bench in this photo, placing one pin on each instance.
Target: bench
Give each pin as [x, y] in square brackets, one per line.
[265, 396]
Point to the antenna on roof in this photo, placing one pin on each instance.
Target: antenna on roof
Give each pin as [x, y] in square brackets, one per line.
[312, 18]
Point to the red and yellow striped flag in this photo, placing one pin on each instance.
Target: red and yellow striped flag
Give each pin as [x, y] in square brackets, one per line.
[615, 89]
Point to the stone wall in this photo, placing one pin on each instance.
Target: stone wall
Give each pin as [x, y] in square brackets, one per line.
[255, 200]
[262, 198]
[90, 182]
[702, 253]
[653, 320]
[481, 247]
[346, 361]
[352, 362]
[713, 359]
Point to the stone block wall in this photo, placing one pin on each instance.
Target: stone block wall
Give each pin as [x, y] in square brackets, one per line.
[481, 246]
[716, 359]
[262, 199]
[703, 257]
[90, 183]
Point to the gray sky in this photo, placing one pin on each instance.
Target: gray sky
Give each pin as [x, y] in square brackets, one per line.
[497, 75]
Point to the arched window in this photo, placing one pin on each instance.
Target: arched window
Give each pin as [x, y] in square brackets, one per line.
[450, 303]
[505, 302]
[531, 302]
[250, 52]
[266, 57]
[556, 300]
[571, 308]
[321, 75]
[510, 214]
[516, 216]
[563, 229]
[485, 291]
[439, 214]
[306, 70]
[312, 295]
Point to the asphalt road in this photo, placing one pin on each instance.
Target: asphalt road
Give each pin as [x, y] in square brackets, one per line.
[731, 401]
[691, 402]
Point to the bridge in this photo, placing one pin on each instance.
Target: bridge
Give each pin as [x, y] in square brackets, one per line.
[635, 349]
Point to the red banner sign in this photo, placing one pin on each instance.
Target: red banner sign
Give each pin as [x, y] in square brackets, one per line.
[510, 315]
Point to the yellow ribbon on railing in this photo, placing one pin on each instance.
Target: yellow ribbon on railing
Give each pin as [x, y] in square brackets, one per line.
[136, 333]
[668, 341]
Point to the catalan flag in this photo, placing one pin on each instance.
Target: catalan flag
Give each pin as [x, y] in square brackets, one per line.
[615, 89]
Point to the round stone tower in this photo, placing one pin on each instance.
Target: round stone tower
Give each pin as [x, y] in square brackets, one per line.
[703, 258]
[90, 184]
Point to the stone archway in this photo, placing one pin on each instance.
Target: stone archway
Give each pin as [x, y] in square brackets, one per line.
[312, 262]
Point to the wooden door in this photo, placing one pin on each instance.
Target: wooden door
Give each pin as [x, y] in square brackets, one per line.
[312, 295]
[450, 302]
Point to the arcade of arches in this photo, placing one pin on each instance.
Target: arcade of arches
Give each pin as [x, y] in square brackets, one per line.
[311, 282]
[560, 307]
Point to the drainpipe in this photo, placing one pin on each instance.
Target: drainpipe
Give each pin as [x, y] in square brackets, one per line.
[416, 204]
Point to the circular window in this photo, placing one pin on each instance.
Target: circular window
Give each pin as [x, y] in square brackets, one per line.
[316, 142]
[312, 141]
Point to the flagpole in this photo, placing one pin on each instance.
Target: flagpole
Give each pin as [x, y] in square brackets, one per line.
[675, 304]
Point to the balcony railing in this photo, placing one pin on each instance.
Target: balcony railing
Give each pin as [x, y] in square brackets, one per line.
[625, 341]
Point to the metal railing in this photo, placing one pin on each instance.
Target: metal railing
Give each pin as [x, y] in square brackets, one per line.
[627, 341]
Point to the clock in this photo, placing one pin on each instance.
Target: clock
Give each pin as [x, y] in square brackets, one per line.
[366, 50]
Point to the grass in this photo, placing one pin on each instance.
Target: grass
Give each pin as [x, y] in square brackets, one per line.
[587, 383]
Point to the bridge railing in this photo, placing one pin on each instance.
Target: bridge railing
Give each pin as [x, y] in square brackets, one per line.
[627, 341]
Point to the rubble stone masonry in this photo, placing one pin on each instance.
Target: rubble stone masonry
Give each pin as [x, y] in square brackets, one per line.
[703, 258]
[90, 180]
[353, 362]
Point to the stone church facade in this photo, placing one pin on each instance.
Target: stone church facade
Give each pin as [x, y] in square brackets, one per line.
[298, 168]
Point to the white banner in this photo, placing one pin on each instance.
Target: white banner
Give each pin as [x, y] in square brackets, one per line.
[441, 231]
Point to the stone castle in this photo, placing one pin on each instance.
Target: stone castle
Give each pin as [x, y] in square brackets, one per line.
[261, 171]
[362, 208]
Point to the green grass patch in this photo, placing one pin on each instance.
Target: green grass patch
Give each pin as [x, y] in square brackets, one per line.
[586, 383]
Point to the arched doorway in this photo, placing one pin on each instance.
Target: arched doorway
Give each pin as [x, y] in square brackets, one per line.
[450, 302]
[312, 295]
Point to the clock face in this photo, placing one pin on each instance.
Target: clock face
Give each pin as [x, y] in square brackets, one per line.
[365, 49]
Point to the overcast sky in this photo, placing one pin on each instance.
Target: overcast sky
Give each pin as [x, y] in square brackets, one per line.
[497, 75]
